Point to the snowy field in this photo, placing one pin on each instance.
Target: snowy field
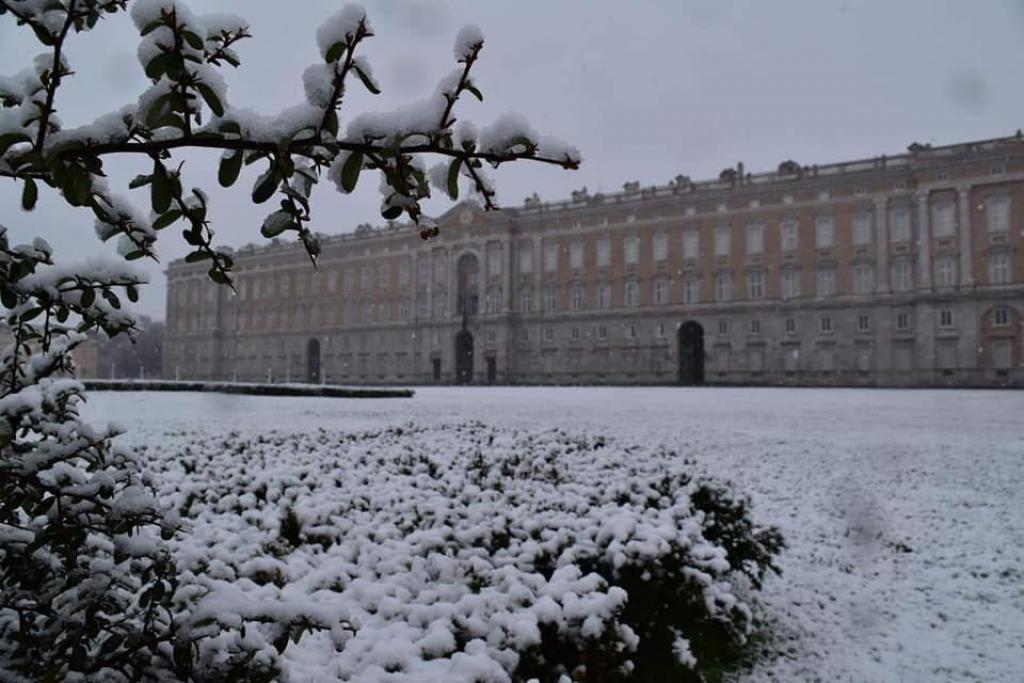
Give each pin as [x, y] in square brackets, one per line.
[903, 510]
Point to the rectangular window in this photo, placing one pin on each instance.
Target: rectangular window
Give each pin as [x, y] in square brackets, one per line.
[755, 285]
[903, 321]
[825, 282]
[661, 291]
[899, 224]
[494, 259]
[602, 332]
[659, 247]
[524, 335]
[422, 272]
[403, 272]
[604, 295]
[723, 286]
[863, 278]
[997, 213]
[631, 250]
[790, 284]
[631, 293]
[943, 219]
[367, 279]
[385, 275]
[902, 275]
[1001, 317]
[525, 258]
[946, 318]
[631, 331]
[550, 258]
[691, 290]
[824, 232]
[861, 228]
[722, 240]
[789, 234]
[660, 331]
[999, 269]
[945, 272]
[863, 323]
[604, 252]
[723, 327]
[576, 300]
[790, 325]
[755, 327]
[549, 334]
[1002, 354]
[525, 300]
[826, 324]
[755, 238]
[576, 255]
[551, 298]
[575, 334]
[691, 244]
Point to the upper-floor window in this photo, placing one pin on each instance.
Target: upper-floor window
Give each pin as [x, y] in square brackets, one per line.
[602, 332]
[551, 297]
[825, 282]
[790, 283]
[863, 278]
[631, 250]
[863, 322]
[659, 247]
[899, 223]
[603, 252]
[440, 266]
[997, 213]
[525, 300]
[755, 238]
[861, 228]
[946, 318]
[550, 258]
[824, 232]
[493, 300]
[723, 327]
[576, 298]
[1001, 317]
[576, 255]
[825, 324]
[575, 334]
[660, 291]
[422, 273]
[945, 271]
[631, 331]
[604, 295]
[999, 268]
[722, 240]
[494, 259]
[385, 275]
[755, 326]
[790, 326]
[902, 321]
[789, 234]
[549, 334]
[525, 258]
[902, 275]
[691, 290]
[631, 293]
[691, 244]
[403, 272]
[755, 285]
[943, 219]
[723, 286]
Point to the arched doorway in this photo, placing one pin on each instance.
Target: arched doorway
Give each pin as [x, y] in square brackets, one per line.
[464, 357]
[467, 270]
[313, 361]
[691, 353]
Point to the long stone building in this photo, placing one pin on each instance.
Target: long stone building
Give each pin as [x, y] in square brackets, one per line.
[900, 270]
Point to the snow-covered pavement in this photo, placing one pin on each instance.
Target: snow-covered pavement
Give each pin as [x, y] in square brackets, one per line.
[903, 510]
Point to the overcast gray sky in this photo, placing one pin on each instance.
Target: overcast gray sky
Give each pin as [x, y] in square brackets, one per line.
[647, 89]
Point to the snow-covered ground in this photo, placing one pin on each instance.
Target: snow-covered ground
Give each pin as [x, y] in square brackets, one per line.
[903, 510]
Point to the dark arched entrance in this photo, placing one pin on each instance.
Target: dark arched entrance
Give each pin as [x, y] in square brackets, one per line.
[313, 361]
[464, 357]
[691, 353]
[467, 300]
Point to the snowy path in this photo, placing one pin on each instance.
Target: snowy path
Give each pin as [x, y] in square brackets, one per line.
[903, 509]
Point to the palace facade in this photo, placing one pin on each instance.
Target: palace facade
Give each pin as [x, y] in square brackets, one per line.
[900, 270]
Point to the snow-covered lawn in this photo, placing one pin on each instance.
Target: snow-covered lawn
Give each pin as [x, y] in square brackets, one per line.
[903, 510]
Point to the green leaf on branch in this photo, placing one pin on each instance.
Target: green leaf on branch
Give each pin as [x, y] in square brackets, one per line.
[367, 81]
[334, 52]
[193, 39]
[9, 139]
[29, 195]
[230, 167]
[476, 92]
[453, 179]
[133, 293]
[391, 212]
[151, 26]
[88, 297]
[197, 256]
[217, 276]
[140, 181]
[276, 223]
[159, 65]
[166, 219]
[265, 186]
[160, 190]
[350, 171]
[211, 98]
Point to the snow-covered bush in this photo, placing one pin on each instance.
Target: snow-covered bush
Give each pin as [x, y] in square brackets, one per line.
[463, 553]
[86, 589]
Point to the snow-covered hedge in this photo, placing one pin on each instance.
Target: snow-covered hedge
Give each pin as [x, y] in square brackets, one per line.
[457, 554]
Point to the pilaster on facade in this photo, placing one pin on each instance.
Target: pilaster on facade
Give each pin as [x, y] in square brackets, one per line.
[882, 244]
[506, 276]
[924, 242]
[966, 245]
